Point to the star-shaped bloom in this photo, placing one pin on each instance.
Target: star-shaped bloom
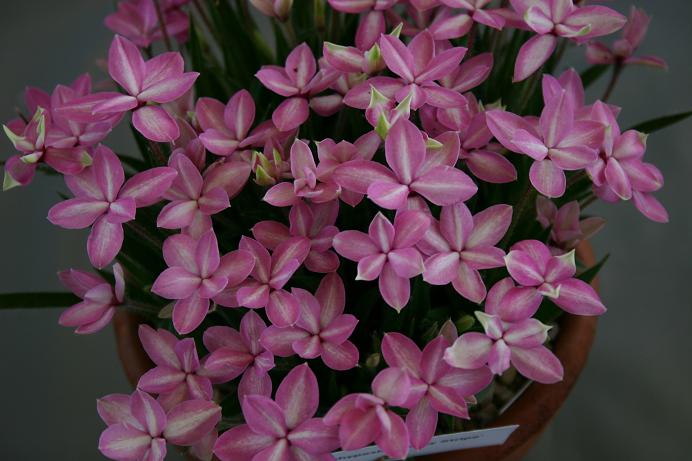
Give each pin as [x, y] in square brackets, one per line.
[281, 429]
[558, 143]
[458, 25]
[196, 274]
[511, 336]
[137, 20]
[438, 388]
[225, 128]
[531, 264]
[322, 330]
[413, 170]
[388, 253]
[567, 228]
[371, 24]
[462, 244]
[105, 201]
[99, 299]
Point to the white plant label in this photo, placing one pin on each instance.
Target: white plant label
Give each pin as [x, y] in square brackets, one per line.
[438, 444]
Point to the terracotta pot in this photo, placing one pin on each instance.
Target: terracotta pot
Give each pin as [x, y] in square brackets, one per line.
[532, 411]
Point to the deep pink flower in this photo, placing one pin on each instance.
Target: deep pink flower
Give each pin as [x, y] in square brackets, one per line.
[161, 79]
[300, 82]
[137, 21]
[104, 201]
[176, 376]
[461, 245]
[458, 25]
[234, 353]
[196, 273]
[225, 128]
[305, 181]
[283, 428]
[99, 299]
[551, 19]
[139, 428]
[387, 252]
[366, 418]
[322, 330]
[312, 221]
[437, 387]
[623, 49]
[196, 197]
[557, 143]
[530, 263]
[264, 289]
[413, 170]
[567, 228]
[511, 336]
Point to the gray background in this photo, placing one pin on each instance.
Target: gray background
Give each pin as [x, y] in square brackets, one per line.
[632, 402]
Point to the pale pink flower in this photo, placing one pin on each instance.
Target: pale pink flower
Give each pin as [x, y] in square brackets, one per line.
[137, 21]
[233, 353]
[161, 79]
[388, 253]
[300, 82]
[372, 24]
[305, 183]
[366, 418]
[322, 330]
[437, 387]
[225, 128]
[531, 264]
[99, 299]
[264, 289]
[195, 197]
[413, 170]
[551, 19]
[189, 145]
[139, 428]
[567, 228]
[623, 50]
[196, 274]
[105, 201]
[458, 25]
[557, 143]
[511, 336]
[176, 376]
[279, 9]
[281, 429]
[461, 245]
[312, 221]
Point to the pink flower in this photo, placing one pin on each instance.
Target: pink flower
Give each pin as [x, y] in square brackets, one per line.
[566, 227]
[412, 171]
[366, 418]
[511, 336]
[387, 252]
[530, 263]
[312, 221]
[225, 128]
[322, 330]
[619, 173]
[195, 198]
[233, 353]
[159, 80]
[176, 376]
[99, 299]
[279, 9]
[372, 24]
[459, 25]
[305, 183]
[139, 428]
[558, 143]
[283, 428]
[197, 274]
[462, 244]
[264, 289]
[105, 201]
[300, 82]
[437, 387]
[417, 65]
[623, 50]
[551, 19]
[137, 21]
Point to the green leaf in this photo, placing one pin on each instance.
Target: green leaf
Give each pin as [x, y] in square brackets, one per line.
[589, 274]
[593, 73]
[36, 300]
[662, 122]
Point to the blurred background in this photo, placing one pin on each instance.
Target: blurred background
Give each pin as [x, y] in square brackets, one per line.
[632, 402]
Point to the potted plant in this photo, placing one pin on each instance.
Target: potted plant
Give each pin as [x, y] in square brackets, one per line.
[349, 223]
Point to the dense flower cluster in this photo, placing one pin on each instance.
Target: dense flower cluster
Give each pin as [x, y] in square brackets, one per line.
[273, 259]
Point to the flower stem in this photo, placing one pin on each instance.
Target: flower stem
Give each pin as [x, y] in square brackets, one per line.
[617, 70]
[203, 14]
[471, 39]
[520, 209]
[162, 25]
